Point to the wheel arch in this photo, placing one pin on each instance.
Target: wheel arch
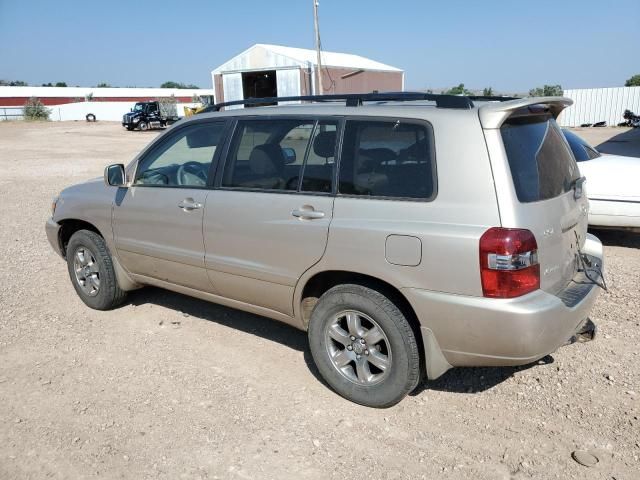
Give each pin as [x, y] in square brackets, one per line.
[69, 226]
[320, 282]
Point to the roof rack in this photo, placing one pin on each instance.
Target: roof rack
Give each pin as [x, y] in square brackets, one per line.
[357, 99]
[490, 98]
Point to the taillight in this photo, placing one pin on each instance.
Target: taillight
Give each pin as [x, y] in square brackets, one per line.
[508, 262]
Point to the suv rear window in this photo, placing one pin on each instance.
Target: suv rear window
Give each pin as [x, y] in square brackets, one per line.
[391, 158]
[542, 165]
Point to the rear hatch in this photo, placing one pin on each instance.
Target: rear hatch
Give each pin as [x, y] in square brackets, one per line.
[538, 184]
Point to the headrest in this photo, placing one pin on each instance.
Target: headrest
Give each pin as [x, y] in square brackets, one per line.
[378, 155]
[266, 159]
[324, 145]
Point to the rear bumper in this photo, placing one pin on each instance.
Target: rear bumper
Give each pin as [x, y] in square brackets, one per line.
[53, 229]
[478, 331]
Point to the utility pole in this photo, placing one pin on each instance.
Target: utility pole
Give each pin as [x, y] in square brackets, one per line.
[317, 28]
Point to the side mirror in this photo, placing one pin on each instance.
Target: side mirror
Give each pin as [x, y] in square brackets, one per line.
[114, 175]
[289, 155]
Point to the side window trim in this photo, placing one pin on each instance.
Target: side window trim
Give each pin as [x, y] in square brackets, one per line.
[306, 155]
[227, 129]
[162, 142]
[433, 163]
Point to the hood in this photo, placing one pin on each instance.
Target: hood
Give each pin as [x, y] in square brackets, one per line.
[612, 177]
[82, 187]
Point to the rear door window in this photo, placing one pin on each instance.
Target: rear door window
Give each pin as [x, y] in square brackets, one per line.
[541, 163]
[282, 154]
[387, 158]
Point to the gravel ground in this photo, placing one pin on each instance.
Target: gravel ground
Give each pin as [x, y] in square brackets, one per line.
[170, 387]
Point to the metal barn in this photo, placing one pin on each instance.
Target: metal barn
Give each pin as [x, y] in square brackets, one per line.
[276, 71]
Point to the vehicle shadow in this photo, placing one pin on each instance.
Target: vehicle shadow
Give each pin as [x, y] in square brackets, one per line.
[456, 380]
[626, 143]
[475, 379]
[617, 238]
[229, 317]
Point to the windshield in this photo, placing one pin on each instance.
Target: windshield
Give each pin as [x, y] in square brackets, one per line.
[581, 149]
[139, 107]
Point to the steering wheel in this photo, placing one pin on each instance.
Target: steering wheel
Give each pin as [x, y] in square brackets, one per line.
[192, 174]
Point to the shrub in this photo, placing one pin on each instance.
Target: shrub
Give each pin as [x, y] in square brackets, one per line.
[35, 110]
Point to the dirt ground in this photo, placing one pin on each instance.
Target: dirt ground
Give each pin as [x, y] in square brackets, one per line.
[169, 387]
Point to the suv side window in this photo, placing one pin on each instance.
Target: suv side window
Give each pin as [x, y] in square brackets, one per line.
[390, 158]
[182, 160]
[272, 155]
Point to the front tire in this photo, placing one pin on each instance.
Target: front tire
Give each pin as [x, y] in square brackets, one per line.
[364, 346]
[143, 126]
[91, 271]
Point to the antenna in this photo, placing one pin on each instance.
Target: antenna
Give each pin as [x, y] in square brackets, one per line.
[317, 29]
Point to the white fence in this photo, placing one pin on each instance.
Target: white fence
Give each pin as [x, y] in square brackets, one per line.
[591, 105]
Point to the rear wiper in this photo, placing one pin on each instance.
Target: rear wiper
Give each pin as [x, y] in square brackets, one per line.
[577, 186]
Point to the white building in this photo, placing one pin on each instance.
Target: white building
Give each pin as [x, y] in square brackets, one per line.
[74, 103]
[276, 71]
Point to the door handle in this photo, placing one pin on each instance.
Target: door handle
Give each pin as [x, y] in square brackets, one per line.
[307, 212]
[189, 204]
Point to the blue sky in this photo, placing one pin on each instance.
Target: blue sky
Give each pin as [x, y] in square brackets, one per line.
[511, 46]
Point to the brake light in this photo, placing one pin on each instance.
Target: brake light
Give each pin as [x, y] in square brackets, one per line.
[508, 262]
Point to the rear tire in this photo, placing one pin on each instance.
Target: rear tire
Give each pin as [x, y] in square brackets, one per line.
[364, 346]
[91, 271]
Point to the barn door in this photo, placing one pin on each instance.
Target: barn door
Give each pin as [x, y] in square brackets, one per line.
[288, 82]
[232, 88]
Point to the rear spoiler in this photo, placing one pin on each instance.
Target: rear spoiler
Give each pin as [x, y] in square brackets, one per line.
[493, 115]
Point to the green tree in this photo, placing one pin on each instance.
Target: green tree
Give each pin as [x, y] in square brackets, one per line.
[103, 85]
[47, 84]
[459, 90]
[35, 110]
[633, 81]
[487, 92]
[171, 84]
[546, 91]
[13, 83]
[61, 84]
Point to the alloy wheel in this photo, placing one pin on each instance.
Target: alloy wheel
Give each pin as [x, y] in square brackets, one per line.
[87, 271]
[358, 348]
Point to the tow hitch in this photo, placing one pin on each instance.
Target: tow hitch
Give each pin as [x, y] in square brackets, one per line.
[585, 333]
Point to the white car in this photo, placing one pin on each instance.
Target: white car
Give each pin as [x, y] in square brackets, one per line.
[613, 185]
